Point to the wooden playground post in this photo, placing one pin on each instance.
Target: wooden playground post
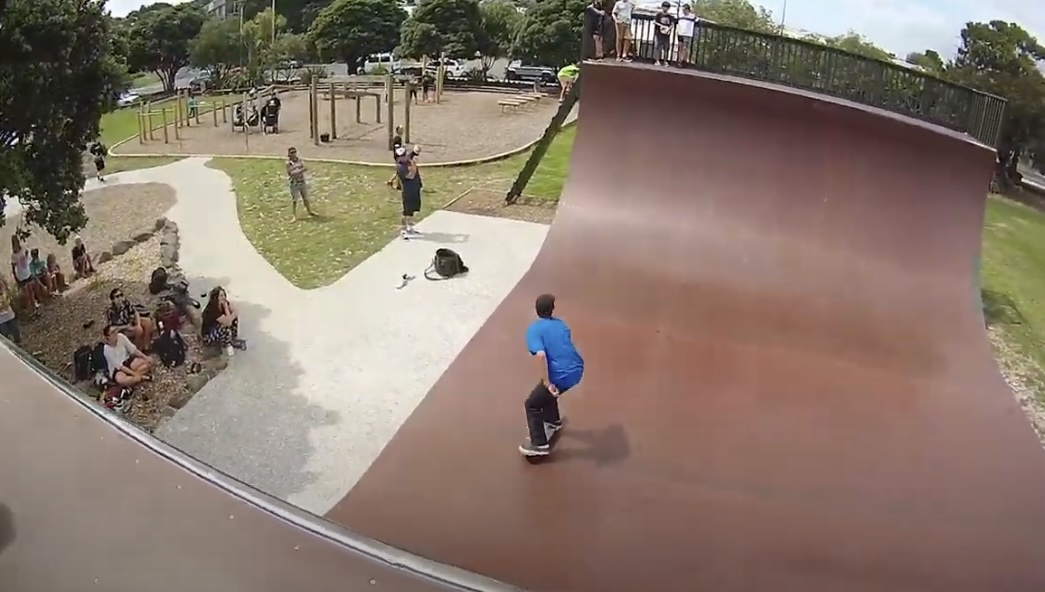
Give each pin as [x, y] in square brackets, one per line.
[214, 112]
[333, 110]
[177, 134]
[177, 113]
[163, 120]
[313, 103]
[141, 126]
[148, 121]
[246, 124]
[224, 111]
[440, 74]
[389, 89]
[359, 113]
[406, 112]
[197, 112]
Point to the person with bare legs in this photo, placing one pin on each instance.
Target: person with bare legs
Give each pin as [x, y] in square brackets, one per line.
[410, 181]
[663, 28]
[23, 275]
[567, 77]
[687, 26]
[124, 318]
[127, 365]
[298, 186]
[622, 10]
[593, 17]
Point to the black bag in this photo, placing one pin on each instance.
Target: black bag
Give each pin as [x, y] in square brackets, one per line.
[158, 282]
[82, 363]
[170, 347]
[98, 363]
[445, 265]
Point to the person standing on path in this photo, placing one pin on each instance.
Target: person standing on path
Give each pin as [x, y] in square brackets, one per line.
[98, 150]
[622, 10]
[560, 368]
[298, 186]
[410, 181]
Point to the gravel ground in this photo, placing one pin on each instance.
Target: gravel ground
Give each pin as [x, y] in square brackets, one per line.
[486, 202]
[465, 125]
[1020, 372]
[114, 214]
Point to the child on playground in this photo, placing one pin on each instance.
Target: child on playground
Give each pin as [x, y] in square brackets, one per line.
[560, 368]
[567, 77]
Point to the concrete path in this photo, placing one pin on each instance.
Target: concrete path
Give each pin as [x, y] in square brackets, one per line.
[331, 373]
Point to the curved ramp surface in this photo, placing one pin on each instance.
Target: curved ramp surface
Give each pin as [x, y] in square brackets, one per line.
[789, 386]
[86, 506]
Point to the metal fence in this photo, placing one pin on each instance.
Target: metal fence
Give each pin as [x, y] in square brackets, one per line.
[826, 70]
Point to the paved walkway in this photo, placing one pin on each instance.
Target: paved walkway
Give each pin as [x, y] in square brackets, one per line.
[331, 373]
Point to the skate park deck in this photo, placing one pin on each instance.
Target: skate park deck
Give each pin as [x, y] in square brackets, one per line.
[788, 386]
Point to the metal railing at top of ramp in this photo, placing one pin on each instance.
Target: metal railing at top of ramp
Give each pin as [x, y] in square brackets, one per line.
[815, 67]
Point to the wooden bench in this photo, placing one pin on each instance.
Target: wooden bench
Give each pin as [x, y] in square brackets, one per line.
[531, 96]
[512, 104]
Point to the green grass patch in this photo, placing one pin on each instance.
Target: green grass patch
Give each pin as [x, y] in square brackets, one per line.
[119, 164]
[359, 213]
[144, 79]
[1013, 278]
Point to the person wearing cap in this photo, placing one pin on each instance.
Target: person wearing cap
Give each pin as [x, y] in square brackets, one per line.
[567, 76]
[559, 367]
[410, 182]
[593, 17]
[663, 28]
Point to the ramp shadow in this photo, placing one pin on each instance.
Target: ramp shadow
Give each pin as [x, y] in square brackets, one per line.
[443, 237]
[1000, 309]
[250, 421]
[604, 447]
[7, 528]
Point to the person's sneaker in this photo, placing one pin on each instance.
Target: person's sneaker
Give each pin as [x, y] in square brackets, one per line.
[229, 351]
[405, 235]
[240, 344]
[413, 231]
[529, 449]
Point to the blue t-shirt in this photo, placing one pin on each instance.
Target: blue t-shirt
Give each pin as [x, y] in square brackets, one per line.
[552, 336]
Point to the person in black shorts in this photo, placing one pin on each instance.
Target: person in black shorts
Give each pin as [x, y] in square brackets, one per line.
[98, 151]
[663, 27]
[410, 180]
[397, 151]
[426, 86]
[593, 17]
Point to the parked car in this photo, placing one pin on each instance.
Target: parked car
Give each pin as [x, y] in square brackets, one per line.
[127, 99]
[382, 62]
[518, 70]
[454, 68]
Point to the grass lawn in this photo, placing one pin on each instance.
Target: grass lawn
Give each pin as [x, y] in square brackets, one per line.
[116, 164]
[144, 79]
[360, 214]
[1013, 276]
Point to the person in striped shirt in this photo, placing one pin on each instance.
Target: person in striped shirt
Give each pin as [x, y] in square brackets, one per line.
[298, 187]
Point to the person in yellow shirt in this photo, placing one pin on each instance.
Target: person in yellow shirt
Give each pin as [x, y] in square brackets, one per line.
[567, 77]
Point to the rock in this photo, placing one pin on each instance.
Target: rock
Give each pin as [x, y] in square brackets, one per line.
[182, 397]
[168, 412]
[160, 223]
[122, 247]
[217, 364]
[142, 237]
[167, 238]
[104, 257]
[169, 226]
[194, 382]
[168, 255]
[209, 352]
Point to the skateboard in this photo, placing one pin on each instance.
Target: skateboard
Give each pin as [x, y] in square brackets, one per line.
[553, 438]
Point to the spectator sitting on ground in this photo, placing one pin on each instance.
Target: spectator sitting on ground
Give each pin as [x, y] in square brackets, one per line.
[127, 365]
[23, 275]
[82, 266]
[8, 320]
[124, 317]
[38, 268]
[220, 323]
[54, 272]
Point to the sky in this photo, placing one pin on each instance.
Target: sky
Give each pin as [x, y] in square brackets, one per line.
[897, 26]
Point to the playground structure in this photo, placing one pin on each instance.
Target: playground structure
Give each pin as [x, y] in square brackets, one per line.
[382, 89]
[173, 116]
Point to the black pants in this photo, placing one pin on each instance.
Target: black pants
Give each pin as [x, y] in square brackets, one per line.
[541, 407]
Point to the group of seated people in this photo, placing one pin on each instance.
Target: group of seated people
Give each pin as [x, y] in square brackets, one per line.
[38, 278]
[128, 335]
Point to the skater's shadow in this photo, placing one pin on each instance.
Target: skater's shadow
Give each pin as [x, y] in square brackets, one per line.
[7, 527]
[606, 447]
[446, 238]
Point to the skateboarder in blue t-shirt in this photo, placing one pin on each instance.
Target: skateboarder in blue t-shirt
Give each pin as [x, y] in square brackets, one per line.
[560, 367]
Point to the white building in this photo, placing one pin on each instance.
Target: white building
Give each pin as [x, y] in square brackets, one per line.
[221, 8]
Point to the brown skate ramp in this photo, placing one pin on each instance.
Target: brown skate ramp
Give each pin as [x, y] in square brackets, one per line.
[84, 507]
[788, 385]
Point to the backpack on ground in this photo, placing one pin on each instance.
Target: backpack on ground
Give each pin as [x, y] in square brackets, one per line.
[170, 347]
[82, 363]
[158, 281]
[445, 265]
[98, 363]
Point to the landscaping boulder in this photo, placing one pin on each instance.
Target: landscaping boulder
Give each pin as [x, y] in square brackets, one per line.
[168, 255]
[192, 386]
[104, 257]
[160, 223]
[121, 247]
[141, 237]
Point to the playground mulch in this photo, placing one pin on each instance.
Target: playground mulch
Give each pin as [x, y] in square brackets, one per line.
[465, 125]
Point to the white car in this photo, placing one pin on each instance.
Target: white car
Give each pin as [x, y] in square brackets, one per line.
[382, 62]
[454, 68]
[127, 99]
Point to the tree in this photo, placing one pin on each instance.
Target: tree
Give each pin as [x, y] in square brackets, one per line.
[351, 30]
[501, 21]
[458, 24]
[550, 33]
[55, 79]
[1001, 58]
[853, 43]
[928, 60]
[159, 39]
[736, 13]
[218, 48]
[299, 13]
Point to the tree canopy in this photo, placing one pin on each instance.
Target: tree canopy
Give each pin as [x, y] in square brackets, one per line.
[457, 24]
[159, 39]
[550, 32]
[501, 20]
[57, 76]
[350, 30]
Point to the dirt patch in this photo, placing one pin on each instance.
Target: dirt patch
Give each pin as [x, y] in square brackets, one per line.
[114, 214]
[464, 125]
[486, 202]
[1021, 373]
[76, 318]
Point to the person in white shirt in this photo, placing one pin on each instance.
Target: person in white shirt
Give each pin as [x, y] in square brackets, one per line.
[622, 10]
[127, 365]
[685, 29]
